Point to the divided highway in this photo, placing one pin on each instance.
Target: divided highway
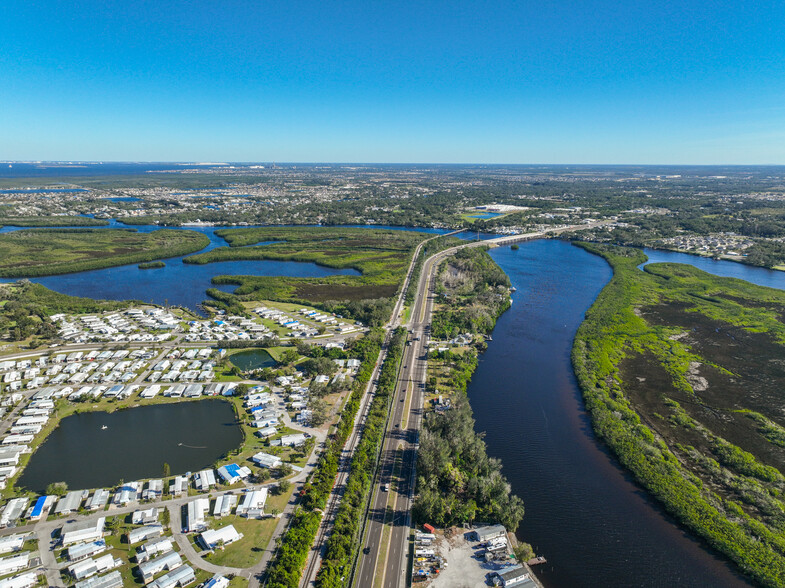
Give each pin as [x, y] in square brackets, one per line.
[334, 500]
[384, 558]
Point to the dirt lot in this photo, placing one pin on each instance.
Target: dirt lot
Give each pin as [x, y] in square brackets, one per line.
[462, 569]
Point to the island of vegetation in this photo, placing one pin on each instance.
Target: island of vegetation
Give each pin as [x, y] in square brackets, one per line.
[46, 252]
[152, 265]
[681, 372]
[381, 256]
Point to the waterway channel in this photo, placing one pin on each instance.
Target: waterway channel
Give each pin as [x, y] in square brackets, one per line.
[98, 449]
[583, 513]
[183, 284]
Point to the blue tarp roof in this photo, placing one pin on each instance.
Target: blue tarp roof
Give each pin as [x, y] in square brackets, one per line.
[38, 507]
[233, 469]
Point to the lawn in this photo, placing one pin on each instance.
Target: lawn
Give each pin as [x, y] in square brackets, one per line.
[256, 535]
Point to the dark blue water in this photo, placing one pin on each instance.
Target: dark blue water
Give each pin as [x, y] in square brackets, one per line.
[594, 525]
[185, 284]
[136, 443]
[721, 267]
[177, 283]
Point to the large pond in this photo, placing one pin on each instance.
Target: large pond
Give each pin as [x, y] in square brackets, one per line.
[252, 359]
[583, 513]
[98, 449]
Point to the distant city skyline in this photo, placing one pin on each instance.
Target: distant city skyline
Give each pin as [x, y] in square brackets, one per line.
[439, 82]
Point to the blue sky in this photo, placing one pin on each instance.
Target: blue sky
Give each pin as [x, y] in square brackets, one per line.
[502, 82]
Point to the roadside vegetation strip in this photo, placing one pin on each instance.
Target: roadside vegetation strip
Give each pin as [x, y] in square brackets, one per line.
[46, 252]
[661, 323]
[285, 570]
[344, 544]
[456, 480]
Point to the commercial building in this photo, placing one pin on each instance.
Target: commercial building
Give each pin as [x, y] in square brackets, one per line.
[491, 532]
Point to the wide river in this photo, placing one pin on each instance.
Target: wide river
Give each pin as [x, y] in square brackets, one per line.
[594, 525]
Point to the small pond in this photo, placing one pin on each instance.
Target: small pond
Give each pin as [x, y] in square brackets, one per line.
[252, 359]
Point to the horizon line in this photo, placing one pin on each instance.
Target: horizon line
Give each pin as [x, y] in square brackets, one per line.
[369, 163]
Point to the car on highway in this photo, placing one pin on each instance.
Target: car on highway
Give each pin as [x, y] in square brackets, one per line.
[386, 488]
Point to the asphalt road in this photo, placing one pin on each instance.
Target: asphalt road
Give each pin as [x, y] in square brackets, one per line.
[393, 506]
[334, 500]
[387, 550]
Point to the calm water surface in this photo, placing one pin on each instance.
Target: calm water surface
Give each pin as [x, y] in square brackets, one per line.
[594, 525]
[253, 359]
[136, 443]
[184, 284]
[177, 283]
[721, 267]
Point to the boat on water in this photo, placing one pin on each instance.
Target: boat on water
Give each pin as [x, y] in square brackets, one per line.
[104, 427]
